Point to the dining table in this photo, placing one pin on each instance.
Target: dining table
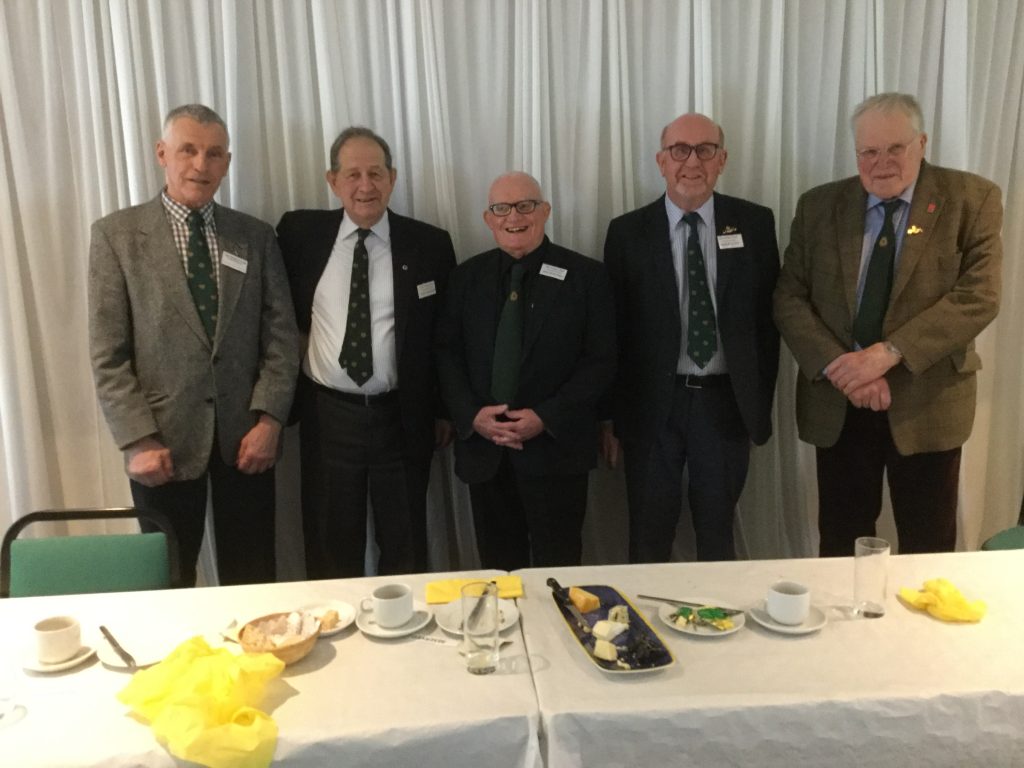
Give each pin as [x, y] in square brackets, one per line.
[905, 689]
[356, 700]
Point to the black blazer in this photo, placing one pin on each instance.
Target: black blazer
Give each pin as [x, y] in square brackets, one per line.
[638, 255]
[568, 361]
[421, 253]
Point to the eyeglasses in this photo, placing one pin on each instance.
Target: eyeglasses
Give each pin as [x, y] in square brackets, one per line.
[681, 151]
[873, 155]
[523, 206]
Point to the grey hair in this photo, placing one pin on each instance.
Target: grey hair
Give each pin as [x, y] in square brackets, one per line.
[358, 132]
[888, 103]
[198, 112]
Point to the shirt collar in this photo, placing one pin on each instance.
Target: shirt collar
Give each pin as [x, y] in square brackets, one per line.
[529, 260]
[181, 212]
[381, 229]
[675, 213]
[907, 195]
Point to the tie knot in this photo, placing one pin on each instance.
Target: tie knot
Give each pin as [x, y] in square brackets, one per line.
[891, 206]
[363, 234]
[692, 219]
[195, 219]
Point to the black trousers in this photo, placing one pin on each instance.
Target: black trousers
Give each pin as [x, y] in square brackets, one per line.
[529, 520]
[923, 489]
[350, 453]
[243, 520]
[705, 431]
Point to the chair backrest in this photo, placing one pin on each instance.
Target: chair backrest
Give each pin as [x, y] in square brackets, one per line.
[60, 565]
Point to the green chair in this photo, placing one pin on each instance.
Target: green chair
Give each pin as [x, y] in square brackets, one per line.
[1012, 538]
[64, 565]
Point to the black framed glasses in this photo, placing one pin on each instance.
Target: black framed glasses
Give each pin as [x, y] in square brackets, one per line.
[679, 152]
[522, 206]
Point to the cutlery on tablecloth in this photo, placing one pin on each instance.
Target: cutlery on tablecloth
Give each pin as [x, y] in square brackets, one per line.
[126, 657]
[688, 604]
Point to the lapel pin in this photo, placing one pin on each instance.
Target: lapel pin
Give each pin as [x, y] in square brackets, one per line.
[728, 230]
[931, 207]
[914, 230]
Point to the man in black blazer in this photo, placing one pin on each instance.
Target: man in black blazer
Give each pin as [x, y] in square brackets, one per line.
[698, 351]
[525, 348]
[366, 284]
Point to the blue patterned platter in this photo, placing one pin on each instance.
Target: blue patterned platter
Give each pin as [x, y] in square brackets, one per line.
[640, 649]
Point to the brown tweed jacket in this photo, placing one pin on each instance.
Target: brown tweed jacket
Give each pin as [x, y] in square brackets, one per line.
[945, 291]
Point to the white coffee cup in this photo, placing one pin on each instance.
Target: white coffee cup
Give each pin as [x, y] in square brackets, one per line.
[58, 638]
[788, 602]
[391, 605]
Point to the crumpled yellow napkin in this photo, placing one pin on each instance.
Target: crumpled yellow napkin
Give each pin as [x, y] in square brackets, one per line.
[446, 590]
[944, 601]
[200, 703]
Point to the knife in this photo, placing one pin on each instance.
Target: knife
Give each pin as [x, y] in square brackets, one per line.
[126, 657]
[687, 604]
[562, 595]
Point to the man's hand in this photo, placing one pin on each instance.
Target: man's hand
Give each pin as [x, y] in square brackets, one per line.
[149, 462]
[258, 450]
[874, 395]
[486, 424]
[851, 371]
[608, 444]
[525, 424]
[444, 432]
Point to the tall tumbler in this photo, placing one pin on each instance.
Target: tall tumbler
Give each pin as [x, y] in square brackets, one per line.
[870, 573]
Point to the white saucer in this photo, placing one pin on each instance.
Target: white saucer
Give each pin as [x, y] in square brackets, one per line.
[421, 616]
[667, 614]
[449, 617]
[346, 614]
[816, 619]
[32, 664]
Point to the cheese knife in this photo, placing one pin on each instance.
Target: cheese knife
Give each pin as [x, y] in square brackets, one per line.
[562, 596]
[687, 604]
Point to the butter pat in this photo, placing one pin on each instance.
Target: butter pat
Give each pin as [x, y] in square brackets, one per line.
[608, 630]
[584, 601]
[605, 650]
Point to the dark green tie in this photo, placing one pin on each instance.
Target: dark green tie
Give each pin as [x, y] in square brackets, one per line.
[701, 334]
[874, 300]
[201, 282]
[508, 342]
[357, 349]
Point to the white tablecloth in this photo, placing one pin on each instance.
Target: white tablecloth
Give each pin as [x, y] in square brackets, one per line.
[903, 690]
[354, 701]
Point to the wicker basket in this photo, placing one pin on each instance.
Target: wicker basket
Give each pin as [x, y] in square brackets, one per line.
[289, 653]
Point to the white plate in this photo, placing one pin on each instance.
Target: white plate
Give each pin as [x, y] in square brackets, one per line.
[421, 616]
[816, 619]
[667, 613]
[346, 614]
[141, 646]
[30, 662]
[449, 617]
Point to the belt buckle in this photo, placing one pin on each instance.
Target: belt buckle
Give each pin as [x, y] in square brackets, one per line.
[693, 381]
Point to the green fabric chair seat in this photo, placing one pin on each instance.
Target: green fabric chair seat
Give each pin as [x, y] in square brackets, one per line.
[1012, 538]
[48, 566]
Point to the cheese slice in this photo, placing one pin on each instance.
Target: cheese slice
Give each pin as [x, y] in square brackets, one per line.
[605, 650]
[584, 601]
[608, 630]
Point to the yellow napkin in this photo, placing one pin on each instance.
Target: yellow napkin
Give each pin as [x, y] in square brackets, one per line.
[944, 601]
[446, 590]
[200, 703]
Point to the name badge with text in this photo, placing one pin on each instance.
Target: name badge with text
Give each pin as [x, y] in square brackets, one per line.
[426, 289]
[233, 262]
[558, 273]
[726, 242]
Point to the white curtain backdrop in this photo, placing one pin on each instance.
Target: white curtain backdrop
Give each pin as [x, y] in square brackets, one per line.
[573, 91]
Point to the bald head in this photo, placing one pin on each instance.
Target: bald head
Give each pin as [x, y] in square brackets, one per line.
[691, 157]
[517, 233]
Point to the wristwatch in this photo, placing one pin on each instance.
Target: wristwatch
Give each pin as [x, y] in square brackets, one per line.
[891, 349]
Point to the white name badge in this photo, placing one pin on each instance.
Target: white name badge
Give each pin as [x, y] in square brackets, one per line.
[558, 273]
[426, 289]
[233, 262]
[726, 242]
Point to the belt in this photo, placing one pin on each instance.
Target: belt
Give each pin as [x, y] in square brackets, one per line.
[693, 381]
[384, 398]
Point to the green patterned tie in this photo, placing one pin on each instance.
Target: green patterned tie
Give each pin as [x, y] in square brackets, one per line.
[357, 349]
[867, 328]
[201, 282]
[508, 342]
[701, 334]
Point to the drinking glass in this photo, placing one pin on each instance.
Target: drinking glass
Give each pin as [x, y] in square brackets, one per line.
[870, 572]
[480, 626]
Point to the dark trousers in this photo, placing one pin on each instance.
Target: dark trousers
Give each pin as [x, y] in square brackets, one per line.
[243, 520]
[706, 432]
[351, 452]
[528, 520]
[922, 487]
